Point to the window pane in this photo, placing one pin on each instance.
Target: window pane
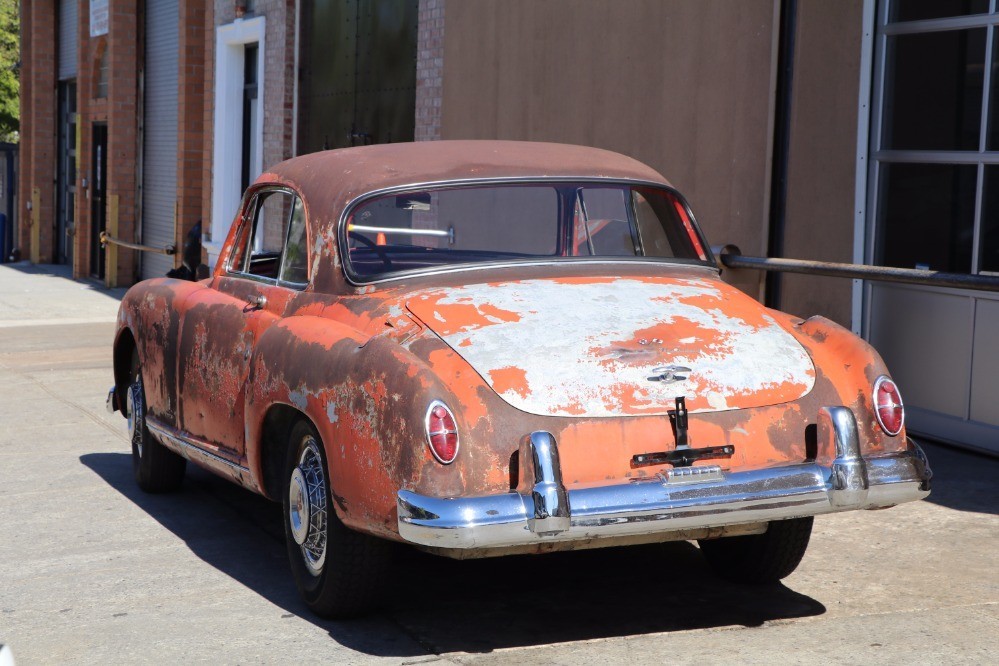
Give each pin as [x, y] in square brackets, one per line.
[602, 227]
[993, 131]
[451, 226]
[989, 239]
[296, 255]
[917, 10]
[269, 231]
[927, 216]
[933, 91]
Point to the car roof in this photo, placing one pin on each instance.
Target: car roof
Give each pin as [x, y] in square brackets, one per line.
[330, 179]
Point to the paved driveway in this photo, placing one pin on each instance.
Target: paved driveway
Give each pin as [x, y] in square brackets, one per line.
[94, 571]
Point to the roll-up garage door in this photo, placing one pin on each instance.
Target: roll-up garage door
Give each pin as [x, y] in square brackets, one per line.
[159, 158]
[67, 39]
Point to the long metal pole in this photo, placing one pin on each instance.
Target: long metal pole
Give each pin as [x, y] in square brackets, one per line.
[732, 258]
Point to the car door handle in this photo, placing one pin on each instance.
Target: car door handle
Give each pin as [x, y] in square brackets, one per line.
[257, 303]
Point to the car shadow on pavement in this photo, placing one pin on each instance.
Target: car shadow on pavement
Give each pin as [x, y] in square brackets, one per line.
[438, 605]
[962, 479]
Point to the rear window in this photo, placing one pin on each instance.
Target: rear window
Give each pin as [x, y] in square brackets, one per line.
[432, 228]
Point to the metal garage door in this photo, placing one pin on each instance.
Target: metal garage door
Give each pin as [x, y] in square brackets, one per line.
[67, 39]
[159, 166]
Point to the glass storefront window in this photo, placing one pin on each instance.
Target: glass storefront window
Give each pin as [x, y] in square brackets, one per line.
[927, 216]
[989, 240]
[935, 157]
[921, 10]
[933, 99]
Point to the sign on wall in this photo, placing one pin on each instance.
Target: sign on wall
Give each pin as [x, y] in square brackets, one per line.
[98, 18]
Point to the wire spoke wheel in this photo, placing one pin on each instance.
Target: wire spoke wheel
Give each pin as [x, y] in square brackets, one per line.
[307, 506]
[339, 572]
[136, 407]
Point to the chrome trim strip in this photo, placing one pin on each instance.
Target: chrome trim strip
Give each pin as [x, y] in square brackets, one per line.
[568, 261]
[185, 445]
[651, 506]
[405, 231]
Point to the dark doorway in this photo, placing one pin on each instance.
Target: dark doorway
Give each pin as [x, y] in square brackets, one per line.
[358, 73]
[98, 208]
[66, 175]
[250, 54]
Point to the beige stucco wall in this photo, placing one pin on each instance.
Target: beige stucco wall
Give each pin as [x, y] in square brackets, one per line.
[683, 86]
[823, 154]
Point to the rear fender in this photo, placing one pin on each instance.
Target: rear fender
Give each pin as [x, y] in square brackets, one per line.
[363, 395]
[151, 312]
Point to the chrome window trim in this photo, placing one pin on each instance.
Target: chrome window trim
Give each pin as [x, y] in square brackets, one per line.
[348, 209]
[254, 193]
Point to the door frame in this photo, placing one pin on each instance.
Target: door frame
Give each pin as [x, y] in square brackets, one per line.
[230, 44]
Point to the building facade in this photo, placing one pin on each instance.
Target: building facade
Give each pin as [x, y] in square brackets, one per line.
[855, 131]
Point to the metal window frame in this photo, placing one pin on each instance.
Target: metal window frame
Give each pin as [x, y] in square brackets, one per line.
[877, 31]
[249, 210]
[875, 76]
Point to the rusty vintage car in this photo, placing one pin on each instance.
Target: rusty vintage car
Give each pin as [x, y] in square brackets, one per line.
[488, 348]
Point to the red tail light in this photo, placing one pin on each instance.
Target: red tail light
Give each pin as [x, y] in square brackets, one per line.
[888, 406]
[442, 432]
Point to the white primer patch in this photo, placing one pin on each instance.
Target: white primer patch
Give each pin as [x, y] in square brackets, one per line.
[581, 350]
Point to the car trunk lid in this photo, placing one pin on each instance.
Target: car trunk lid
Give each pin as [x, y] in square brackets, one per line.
[603, 347]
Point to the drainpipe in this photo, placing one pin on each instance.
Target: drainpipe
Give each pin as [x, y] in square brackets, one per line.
[782, 145]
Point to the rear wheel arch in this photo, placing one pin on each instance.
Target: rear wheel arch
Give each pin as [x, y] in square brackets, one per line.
[124, 350]
[273, 446]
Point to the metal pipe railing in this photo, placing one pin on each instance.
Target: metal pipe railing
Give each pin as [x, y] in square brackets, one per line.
[731, 257]
[107, 238]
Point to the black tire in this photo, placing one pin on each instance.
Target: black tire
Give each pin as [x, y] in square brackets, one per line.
[339, 572]
[157, 469]
[760, 559]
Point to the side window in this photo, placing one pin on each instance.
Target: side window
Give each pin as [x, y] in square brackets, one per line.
[274, 244]
[295, 267]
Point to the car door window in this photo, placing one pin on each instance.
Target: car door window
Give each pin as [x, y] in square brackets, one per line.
[274, 244]
[295, 265]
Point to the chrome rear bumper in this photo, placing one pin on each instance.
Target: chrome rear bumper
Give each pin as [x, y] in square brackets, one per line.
[684, 499]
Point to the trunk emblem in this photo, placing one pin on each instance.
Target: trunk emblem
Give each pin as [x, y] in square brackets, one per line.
[669, 374]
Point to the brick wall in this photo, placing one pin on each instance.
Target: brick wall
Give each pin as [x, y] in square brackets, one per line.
[429, 70]
[124, 54]
[190, 120]
[38, 134]
[22, 233]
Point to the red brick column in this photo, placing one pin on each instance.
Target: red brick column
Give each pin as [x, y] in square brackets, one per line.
[38, 131]
[207, 124]
[429, 70]
[124, 55]
[22, 233]
[190, 119]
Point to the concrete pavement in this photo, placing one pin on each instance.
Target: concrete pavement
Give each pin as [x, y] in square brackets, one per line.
[94, 571]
